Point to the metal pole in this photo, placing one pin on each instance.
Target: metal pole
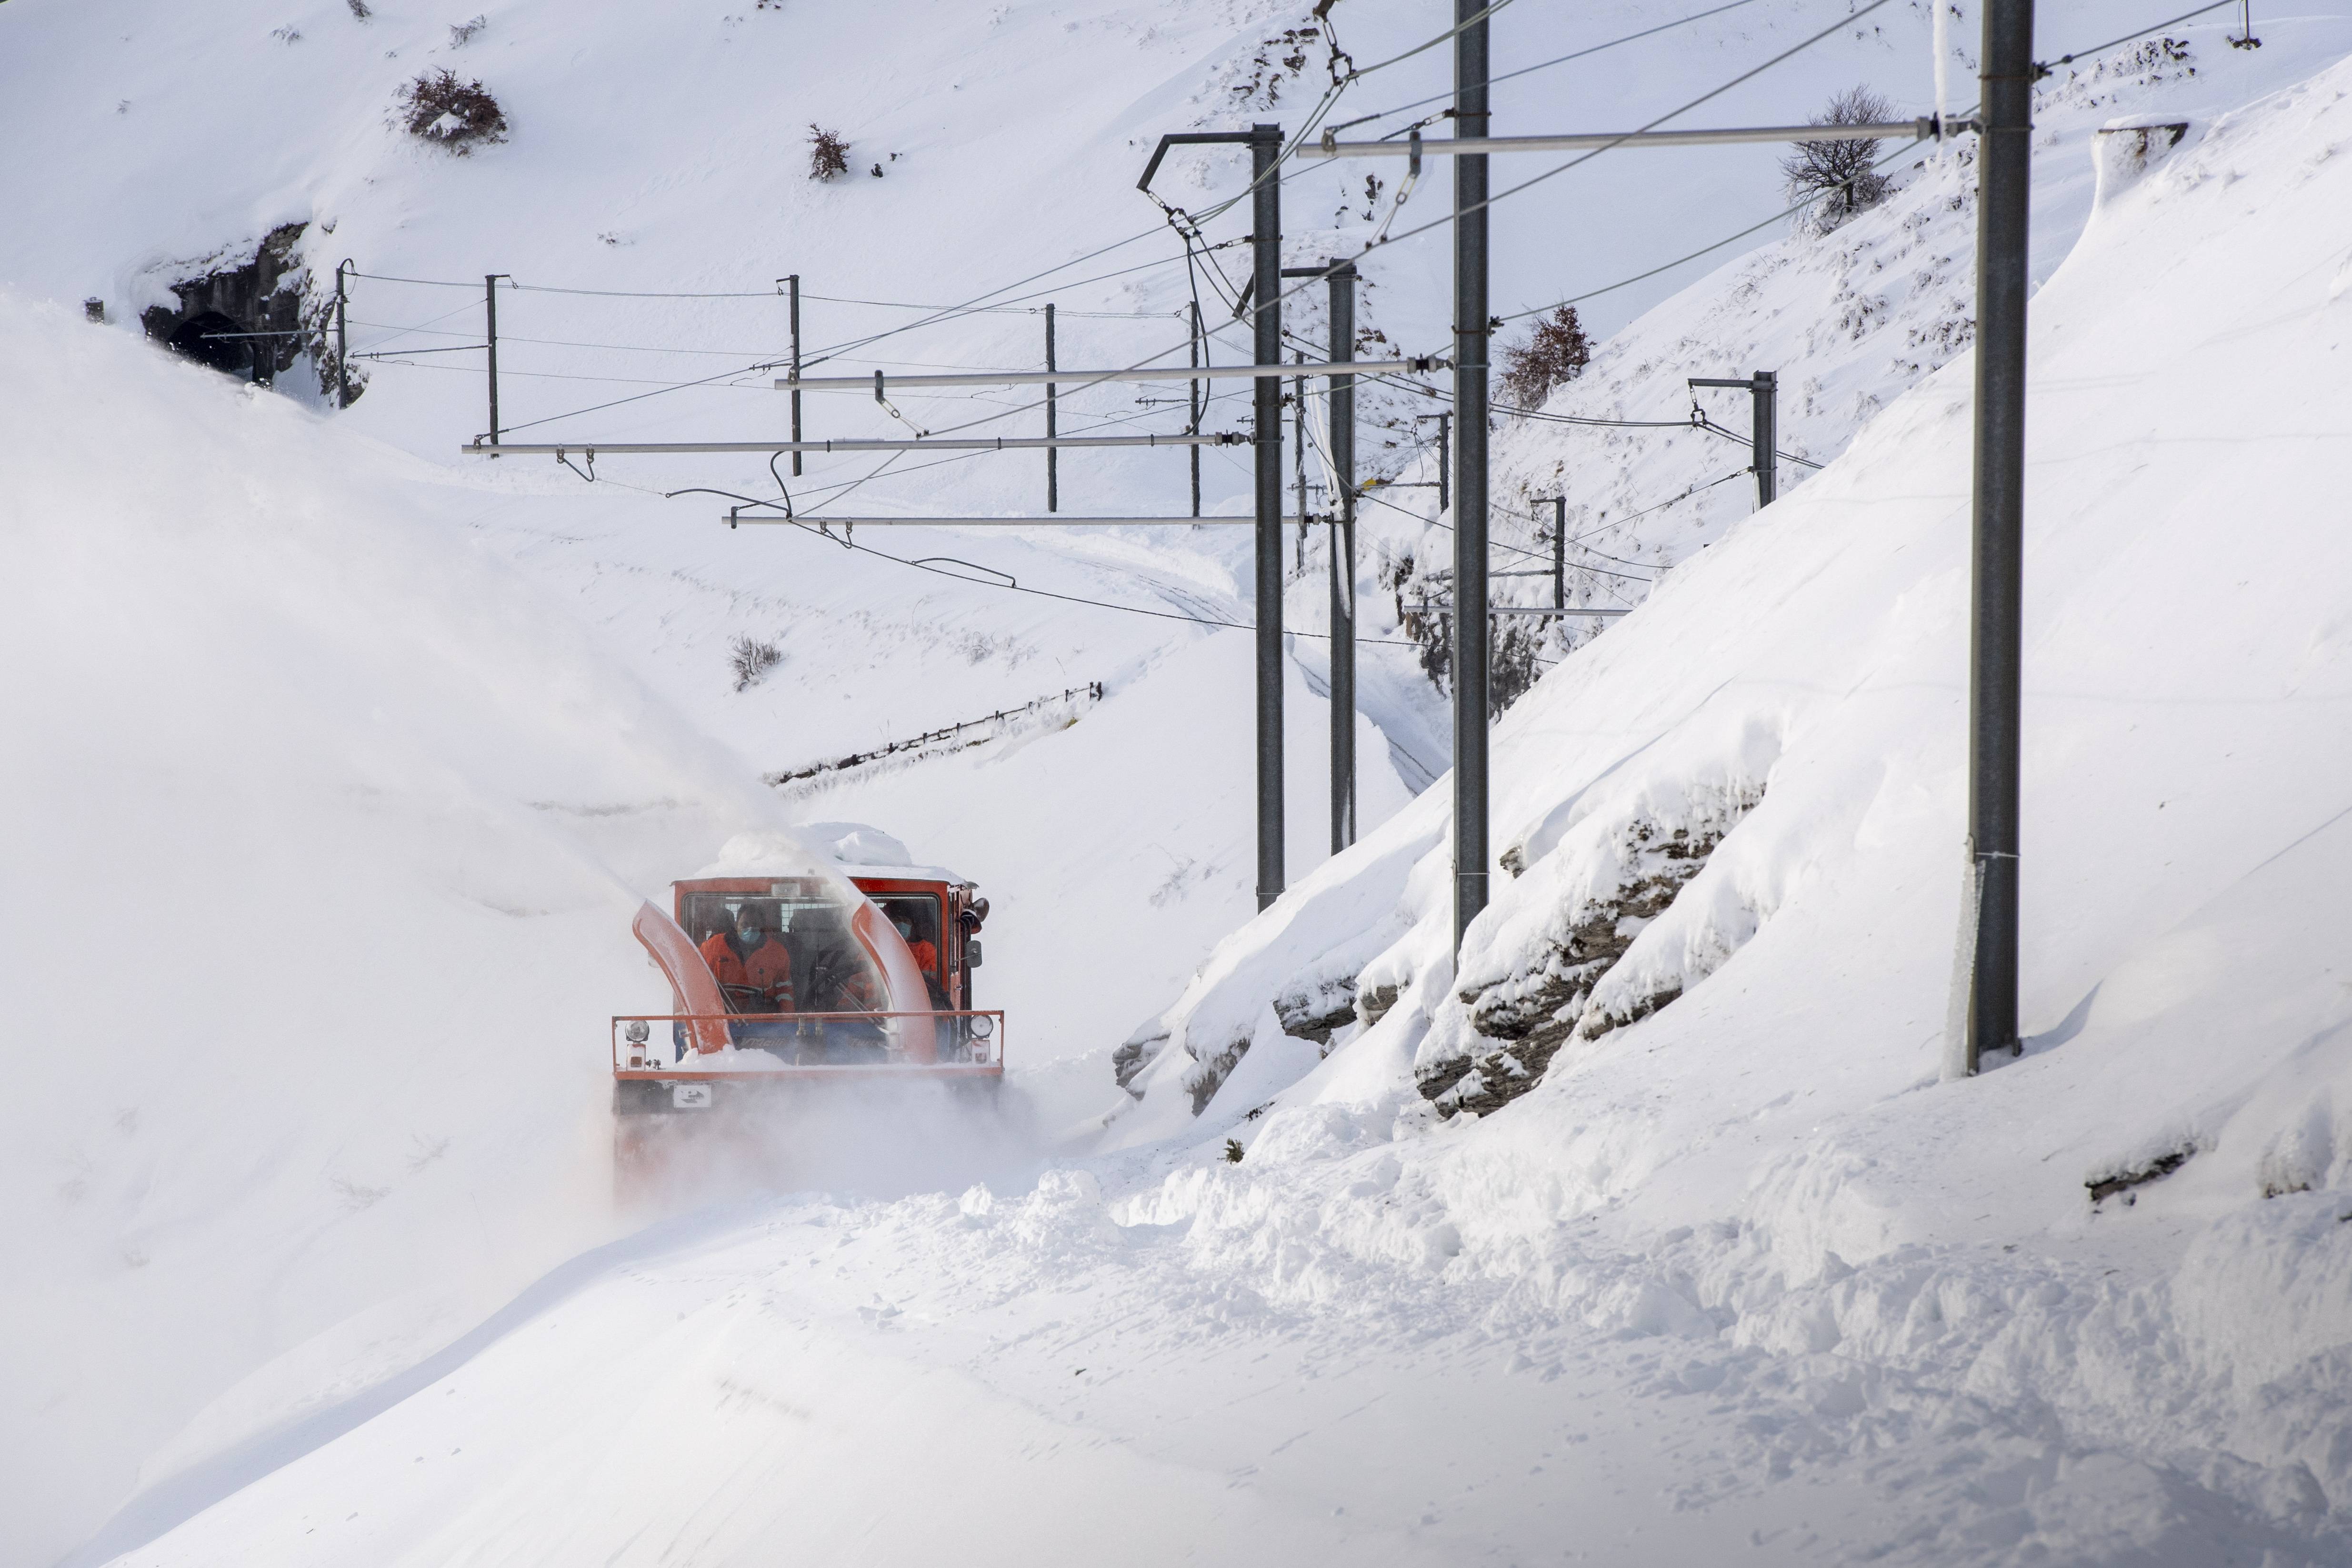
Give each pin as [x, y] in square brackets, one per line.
[1343, 562]
[1559, 553]
[1478, 147]
[1298, 459]
[1053, 466]
[490, 313]
[1765, 439]
[1194, 344]
[795, 281]
[342, 338]
[740, 519]
[1998, 574]
[1444, 462]
[1280, 370]
[480, 448]
[1472, 630]
[1265, 254]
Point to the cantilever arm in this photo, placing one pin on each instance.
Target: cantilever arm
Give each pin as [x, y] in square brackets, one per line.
[1187, 139]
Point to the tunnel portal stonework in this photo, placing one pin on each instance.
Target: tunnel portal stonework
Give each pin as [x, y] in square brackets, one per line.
[246, 321]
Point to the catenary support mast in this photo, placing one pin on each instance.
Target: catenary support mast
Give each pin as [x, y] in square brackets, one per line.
[1053, 456]
[795, 281]
[1343, 561]
[1266, 289]
[1997, 575]
[1265, 254]
[1471, 631]
[490, 324]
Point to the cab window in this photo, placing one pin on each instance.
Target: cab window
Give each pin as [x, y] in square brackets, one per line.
[917, 915]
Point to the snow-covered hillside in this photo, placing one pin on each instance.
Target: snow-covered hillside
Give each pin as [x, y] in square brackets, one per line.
[327, 832]
[1731, 826]
[346, 758]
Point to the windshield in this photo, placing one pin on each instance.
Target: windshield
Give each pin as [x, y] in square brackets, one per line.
[829, 969]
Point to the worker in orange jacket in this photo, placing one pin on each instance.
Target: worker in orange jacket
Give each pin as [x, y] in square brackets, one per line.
[751, 964]
[926, 957]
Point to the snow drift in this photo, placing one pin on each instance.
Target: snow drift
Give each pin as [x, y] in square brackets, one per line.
[1746, 1088]
[327, 834]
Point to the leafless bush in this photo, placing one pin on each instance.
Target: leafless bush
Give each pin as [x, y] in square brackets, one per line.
[751, 660]
[1840, 178]
[1556, 351]
[828, 154]
[449, 113]
[461, 32]
[360, 9]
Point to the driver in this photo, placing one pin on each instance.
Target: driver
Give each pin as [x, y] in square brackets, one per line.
[751, 964]
[926, 957]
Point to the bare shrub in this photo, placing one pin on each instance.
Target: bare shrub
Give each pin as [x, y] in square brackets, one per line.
[828, 154]
[1556, 351]
[462, 32]
[1839, 179]
[360, 9]
[751, 660]
[449, 113]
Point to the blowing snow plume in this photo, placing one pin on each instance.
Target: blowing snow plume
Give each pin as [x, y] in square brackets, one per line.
[338, 836]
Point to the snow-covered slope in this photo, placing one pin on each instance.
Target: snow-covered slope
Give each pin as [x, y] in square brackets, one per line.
[328, 829]
[300, 751]
[1746, 1096]
[1851, 320]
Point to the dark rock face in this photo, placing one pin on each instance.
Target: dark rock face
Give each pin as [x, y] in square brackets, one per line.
[1139, 1051]
[1529, 1017]
[1317, 1012]
[244, 321]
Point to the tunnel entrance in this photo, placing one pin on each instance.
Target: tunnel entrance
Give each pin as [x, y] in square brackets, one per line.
[250, 319]
[212, 340]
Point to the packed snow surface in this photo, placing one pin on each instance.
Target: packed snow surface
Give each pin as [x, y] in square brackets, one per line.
[339, 771]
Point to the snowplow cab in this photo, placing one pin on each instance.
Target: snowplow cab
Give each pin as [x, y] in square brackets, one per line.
[778, 981]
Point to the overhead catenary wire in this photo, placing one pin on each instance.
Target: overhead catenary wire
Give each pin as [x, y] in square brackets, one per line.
[1536, 555]
[1714, 429]
[729, 294]
[1556, 61]
[1712, 93]
[810, 526]
[2042, 69]
[978, 304]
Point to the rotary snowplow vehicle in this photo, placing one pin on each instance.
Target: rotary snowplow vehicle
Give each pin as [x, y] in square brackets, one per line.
[780, 982]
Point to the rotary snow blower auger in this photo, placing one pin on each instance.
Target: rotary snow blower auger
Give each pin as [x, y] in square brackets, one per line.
[780, 983]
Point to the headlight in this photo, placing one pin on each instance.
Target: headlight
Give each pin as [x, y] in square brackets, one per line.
[983, 1027]
[636, 1033]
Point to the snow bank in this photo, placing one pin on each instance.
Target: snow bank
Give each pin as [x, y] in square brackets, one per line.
[327, 836]
[1746, 1095]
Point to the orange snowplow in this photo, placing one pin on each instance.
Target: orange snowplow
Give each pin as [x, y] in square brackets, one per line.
[779, 981]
